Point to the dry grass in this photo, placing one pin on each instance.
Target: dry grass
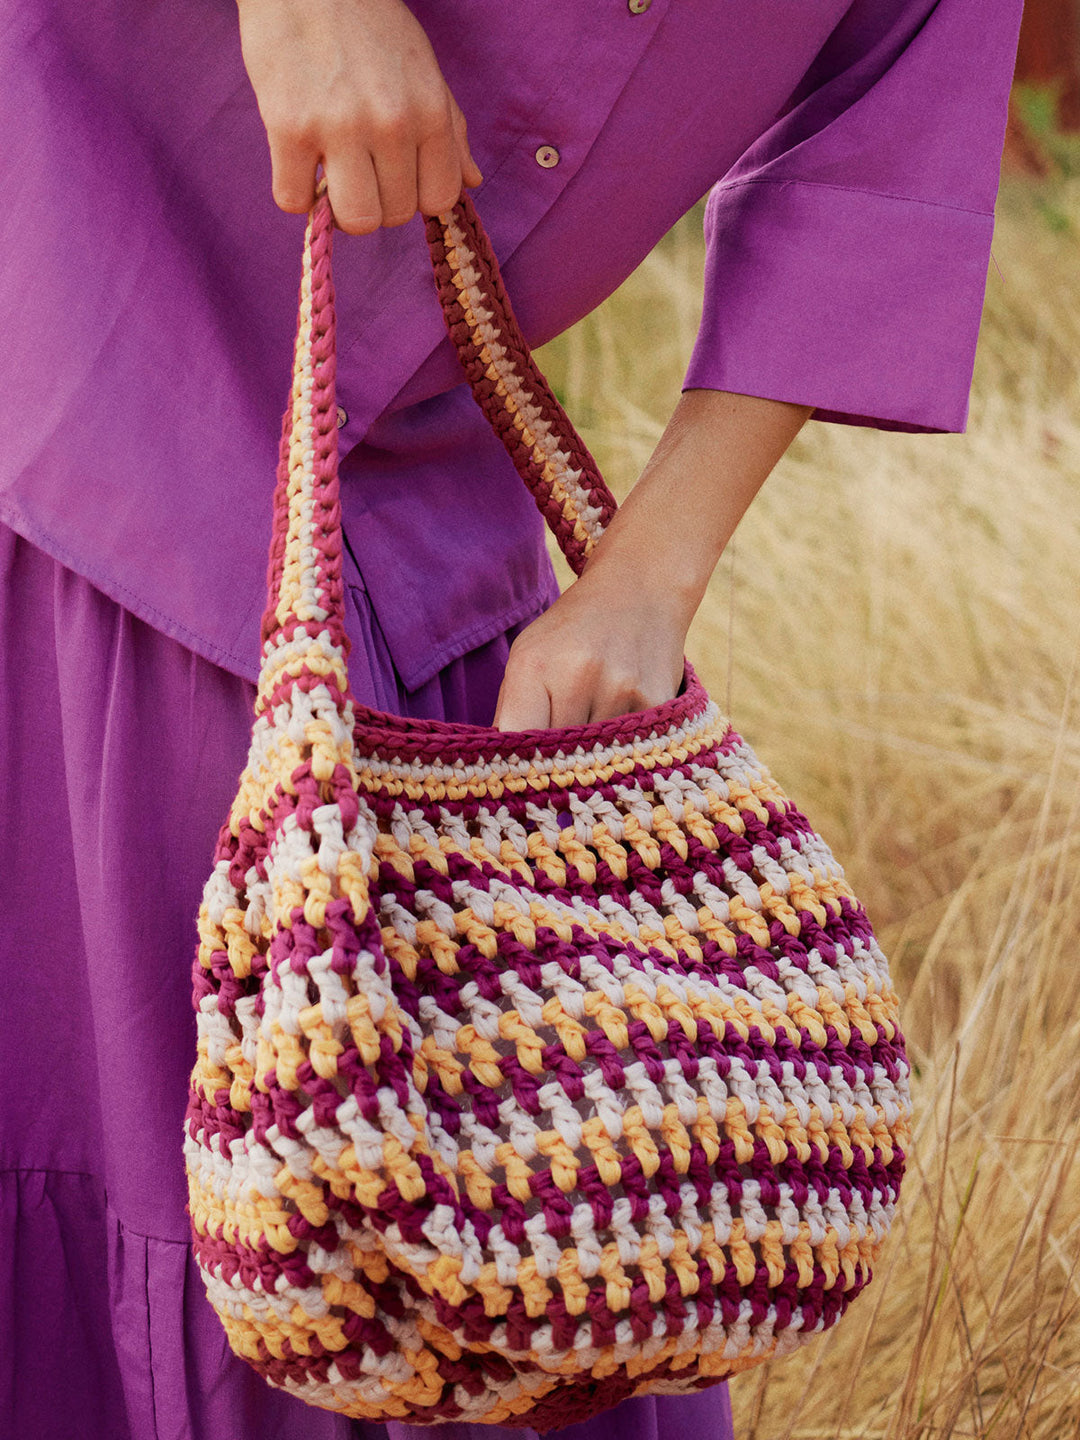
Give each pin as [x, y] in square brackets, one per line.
[897, 629]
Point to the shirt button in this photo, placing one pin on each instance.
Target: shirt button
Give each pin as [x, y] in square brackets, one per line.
[547, 156]
[638, 7]
[342, 418]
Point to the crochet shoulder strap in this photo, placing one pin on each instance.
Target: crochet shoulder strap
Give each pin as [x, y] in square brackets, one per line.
[304, 581]
[549, 454]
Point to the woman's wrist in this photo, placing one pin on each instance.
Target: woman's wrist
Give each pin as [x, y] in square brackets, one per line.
[613, 642]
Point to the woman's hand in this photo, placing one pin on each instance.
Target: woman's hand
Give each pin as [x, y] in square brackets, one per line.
[613, 642]
[354, 85]
[604, 648]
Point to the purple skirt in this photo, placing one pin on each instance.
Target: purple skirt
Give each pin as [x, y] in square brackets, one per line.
[121, 755]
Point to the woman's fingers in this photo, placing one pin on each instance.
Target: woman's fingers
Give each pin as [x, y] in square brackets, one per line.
[354, 191]
[439, 171]
[293, 173]
[523, 702]
[546, 689]
[468, 168]
[604, 648]
[573, 690]
[358, 89]
[395, 170]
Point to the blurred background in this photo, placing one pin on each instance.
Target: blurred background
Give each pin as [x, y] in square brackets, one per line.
[896, 630]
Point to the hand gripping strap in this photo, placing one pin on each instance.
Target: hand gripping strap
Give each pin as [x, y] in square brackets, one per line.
[304, 584]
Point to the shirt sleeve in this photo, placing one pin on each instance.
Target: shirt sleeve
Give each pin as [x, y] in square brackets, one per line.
[847, 250]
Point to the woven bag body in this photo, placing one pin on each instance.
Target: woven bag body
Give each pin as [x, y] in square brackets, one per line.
[535, 1070]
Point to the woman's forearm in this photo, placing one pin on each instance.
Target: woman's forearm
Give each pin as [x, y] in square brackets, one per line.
[613, 642]
[712, 459]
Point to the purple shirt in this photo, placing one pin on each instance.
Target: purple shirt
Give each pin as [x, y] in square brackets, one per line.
[851, 146]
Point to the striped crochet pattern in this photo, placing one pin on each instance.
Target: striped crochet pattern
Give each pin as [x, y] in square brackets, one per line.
[535, 1070]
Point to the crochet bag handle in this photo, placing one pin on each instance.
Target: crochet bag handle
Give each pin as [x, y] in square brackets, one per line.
[549, 454]
[304, 580]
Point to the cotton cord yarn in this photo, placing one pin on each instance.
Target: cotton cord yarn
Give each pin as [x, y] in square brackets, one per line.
[534, 1070]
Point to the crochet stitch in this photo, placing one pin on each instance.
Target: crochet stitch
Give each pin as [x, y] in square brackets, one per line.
[535, 1070]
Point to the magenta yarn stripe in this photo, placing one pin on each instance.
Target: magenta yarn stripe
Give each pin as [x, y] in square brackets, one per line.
[787, 822]
[280, 1109]
[790, 825]
[570, 1403]
[713, 1302]
[855, 1059]
[299, 942]
[510, 1214]
[814, 1178]
[262, 1268]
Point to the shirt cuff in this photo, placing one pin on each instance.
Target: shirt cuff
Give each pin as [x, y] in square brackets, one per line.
[862, 304]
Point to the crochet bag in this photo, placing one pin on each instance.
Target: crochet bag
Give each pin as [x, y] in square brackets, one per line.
[535, 1070]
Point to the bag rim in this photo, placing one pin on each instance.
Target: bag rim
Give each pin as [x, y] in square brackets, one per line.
[383, 733]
